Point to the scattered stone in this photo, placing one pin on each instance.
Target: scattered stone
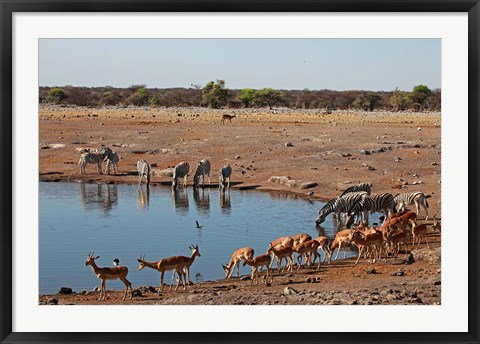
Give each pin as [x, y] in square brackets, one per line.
[308, 185]
[346, 154]
[84, 292]
[398, 273]
[437, 282]
[137, 293]
[289, 291]
[288, 144]
[433, 163]
[431, 256]
[154, 164]
[311, 280]
[52, 302]
[65, 290]
[371, 271]
[245, 278]
[366, 152]
[419, 129]
[410, 259]
[237, 157]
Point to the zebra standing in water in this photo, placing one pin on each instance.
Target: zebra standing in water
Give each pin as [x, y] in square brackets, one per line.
[409, 198]
[203, 169]
[143, 171]
[371, 204]
[180, 171]
[339, 205]
[224, 176]
[112, 159]
[367, 187]
[93, 158]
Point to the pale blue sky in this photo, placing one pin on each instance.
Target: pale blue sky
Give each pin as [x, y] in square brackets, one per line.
[336, 64]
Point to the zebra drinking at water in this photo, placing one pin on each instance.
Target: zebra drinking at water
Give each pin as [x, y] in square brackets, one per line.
[224, 176]
[180, 171]
[409, 198]
[112, 159]
[339, 205]
[367, 187]
[203, 169]
[143, 171]
[370, 204]
[93, 158]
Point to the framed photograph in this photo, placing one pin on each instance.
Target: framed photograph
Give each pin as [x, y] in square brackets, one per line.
[227, 171]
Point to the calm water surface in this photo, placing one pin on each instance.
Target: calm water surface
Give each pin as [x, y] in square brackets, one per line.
[127, 221]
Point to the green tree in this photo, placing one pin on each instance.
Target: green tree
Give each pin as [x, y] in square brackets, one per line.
[269, 97]
[247, 96]
[419, 95]
[400, 100]
[214, 94]
[55, 95]
[139, 98]
[109, 98]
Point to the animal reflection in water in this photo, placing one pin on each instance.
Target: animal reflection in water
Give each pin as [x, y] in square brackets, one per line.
[224, 201]
[202, 200]
[143, 197]
[98, 196]
[180, 200]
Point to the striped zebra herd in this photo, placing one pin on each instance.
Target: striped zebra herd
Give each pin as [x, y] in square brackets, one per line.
[356, 203]
[180, 171]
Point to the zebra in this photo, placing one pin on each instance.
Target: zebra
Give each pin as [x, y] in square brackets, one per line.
[370, 204]
[339, 205]
[93, 158]
[224, 176]
[203, 169]
[143, 171]
[367, 187]
[180, 171]
[112, 159]
[409, 198]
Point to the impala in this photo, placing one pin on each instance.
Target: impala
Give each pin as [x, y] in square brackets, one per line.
[257, 263]
[419, 231]
[283, 252]
[227, 118]
[117, 272]
[242, 254]
[309, 247]
[323, 242]
[282, 241]
[365, 241]
[179, 265]
[341, 239]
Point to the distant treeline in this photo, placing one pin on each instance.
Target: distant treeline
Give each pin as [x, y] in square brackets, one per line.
[216, 95]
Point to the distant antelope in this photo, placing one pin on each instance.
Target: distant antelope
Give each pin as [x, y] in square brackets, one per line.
[227, 117]
[117, 272]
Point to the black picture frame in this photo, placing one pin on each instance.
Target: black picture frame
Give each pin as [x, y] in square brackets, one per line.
[8, 7]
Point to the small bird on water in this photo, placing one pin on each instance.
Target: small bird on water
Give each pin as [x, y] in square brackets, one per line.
[116, 261]
[198, 225]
